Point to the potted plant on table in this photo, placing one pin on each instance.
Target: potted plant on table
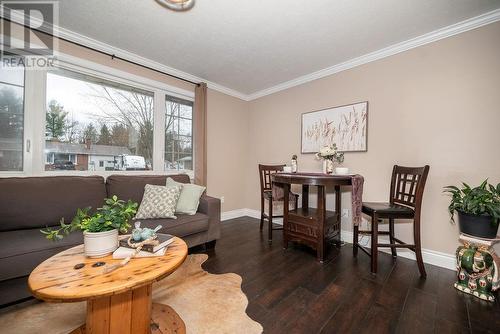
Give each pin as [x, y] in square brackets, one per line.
[329, 154]
[478, 209]
[100, 229]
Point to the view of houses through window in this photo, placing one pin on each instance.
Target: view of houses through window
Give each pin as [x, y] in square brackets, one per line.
[11, 118]
[96, 125]
[178, 134]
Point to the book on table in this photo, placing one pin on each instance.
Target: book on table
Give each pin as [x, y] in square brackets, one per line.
[163, 240]
[124, 252]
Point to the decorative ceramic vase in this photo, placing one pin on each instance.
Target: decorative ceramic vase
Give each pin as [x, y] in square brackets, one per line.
[100, 244]
[327, 166]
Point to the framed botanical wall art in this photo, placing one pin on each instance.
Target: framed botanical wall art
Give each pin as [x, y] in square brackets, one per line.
[346, 126]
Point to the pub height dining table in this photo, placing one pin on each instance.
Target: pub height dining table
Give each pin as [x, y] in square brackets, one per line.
[315, 226]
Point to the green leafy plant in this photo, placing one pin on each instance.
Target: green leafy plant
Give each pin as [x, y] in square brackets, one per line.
[481, 200]
[114, 214]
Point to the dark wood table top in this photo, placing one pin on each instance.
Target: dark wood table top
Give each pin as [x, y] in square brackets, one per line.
[314, 179]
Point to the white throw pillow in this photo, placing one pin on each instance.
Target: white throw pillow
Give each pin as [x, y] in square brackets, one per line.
[189, 200]
[158, 202]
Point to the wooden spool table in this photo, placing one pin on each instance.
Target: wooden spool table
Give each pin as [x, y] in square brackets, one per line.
[117, 302]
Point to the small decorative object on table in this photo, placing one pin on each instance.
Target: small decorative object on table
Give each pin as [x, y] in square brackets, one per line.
[329, 154]
[477, 267]
[100, 229]
[294, 163]
[137, 240]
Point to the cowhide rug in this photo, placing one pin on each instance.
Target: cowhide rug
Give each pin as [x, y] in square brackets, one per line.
[207, 303]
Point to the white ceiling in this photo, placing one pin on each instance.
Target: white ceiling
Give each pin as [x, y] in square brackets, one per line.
[252, 45]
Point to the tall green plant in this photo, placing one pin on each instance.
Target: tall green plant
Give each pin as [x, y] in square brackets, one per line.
[481, 200]
[114, 214]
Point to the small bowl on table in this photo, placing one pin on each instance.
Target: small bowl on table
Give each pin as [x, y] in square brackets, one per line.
[341, 170]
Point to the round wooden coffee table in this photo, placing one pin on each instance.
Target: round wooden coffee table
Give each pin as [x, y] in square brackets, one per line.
[117, 302]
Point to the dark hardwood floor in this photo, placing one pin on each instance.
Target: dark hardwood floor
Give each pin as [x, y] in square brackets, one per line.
[289, 292]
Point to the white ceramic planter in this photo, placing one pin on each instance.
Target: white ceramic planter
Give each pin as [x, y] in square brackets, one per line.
[100, 244]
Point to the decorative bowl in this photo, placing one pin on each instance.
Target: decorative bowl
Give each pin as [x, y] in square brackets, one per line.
[341, 170]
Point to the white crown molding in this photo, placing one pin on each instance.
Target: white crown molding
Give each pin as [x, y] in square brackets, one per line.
[432, 257]
[104, 47]
[433, 36]
[451, 30]
[81, 39]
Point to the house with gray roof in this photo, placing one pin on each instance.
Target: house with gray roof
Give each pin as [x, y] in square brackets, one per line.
[87, 156]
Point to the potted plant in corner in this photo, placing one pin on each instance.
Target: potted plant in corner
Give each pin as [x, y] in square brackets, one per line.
[100, 229]
[478, 209]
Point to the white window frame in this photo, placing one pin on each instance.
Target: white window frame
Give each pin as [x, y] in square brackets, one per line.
[173, 171]
[35, 88]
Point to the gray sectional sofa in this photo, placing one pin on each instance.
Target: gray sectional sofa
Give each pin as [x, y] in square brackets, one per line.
[31, 203]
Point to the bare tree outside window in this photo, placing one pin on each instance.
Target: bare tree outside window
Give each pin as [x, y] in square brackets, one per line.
[178, 134]
[11, 118]
[93, 124]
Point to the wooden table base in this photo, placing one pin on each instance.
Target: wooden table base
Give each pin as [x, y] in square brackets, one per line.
[131, 312]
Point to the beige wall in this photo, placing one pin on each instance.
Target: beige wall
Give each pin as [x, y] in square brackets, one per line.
[227, 147]
[438, 104]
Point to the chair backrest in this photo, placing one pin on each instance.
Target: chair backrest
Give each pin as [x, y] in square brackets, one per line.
[265, 173]
[407, 186]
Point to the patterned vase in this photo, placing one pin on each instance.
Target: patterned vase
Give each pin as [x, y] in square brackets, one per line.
[327, 166]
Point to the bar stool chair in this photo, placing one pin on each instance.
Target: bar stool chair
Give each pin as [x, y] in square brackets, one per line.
[405, 202]
[266, 190]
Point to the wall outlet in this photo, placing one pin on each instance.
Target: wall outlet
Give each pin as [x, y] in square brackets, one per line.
[345, 213]
[222, 199]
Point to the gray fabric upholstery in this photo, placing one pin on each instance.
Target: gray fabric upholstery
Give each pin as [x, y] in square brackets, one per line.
[211, 207]
[182, 226]
[132, 186]
[34, 202]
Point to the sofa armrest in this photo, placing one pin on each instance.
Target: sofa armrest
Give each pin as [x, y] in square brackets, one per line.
[211, 207]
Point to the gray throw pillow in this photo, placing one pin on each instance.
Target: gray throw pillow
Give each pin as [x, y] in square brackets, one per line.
[190, 196]
[158, 202]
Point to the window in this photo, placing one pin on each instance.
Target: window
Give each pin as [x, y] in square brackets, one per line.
[11, 118]
[178, 134]
[90, 121]
[85, 118]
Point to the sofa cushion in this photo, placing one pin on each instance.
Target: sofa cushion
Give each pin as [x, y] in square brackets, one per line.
[189, 199]
[42, 201]
[158, 202]
[182, 226]
[132, 186]
[23, 250]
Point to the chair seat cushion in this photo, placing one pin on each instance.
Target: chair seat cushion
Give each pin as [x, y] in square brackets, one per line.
[182, 226]
[388, 210]
[278, 207]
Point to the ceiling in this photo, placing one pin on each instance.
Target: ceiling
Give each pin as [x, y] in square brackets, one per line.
[250, 46]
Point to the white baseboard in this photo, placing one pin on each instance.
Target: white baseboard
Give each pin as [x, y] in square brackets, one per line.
[240, 213]
[435, 258]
